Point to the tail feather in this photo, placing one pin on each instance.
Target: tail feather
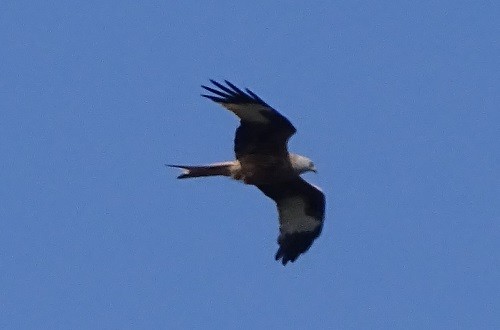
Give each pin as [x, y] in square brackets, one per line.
[201, 171]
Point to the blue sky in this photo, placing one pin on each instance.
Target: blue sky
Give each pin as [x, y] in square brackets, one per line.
[397, 102]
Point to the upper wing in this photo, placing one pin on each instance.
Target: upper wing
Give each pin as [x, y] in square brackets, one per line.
[301, 208]
[262, 130]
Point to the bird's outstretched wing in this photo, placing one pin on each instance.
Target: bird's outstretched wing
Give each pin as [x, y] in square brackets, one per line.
[262, 130]
[301, 208]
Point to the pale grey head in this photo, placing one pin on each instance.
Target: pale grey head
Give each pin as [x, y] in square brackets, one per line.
[302, 164]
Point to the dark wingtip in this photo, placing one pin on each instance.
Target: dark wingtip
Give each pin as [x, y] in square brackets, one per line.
[284, 259]
[212, 81]
[214, 98]
[229, 93]
[291, 246]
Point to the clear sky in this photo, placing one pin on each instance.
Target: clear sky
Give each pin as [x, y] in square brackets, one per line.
[397, 102]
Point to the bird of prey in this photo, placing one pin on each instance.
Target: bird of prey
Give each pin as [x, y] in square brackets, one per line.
[263, 160]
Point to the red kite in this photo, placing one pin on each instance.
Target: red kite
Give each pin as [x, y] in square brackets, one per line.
[263, 160]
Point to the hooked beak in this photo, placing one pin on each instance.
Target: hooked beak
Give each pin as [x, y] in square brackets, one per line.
[313, 169]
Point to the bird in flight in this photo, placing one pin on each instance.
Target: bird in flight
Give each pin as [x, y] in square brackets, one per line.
[263, 160]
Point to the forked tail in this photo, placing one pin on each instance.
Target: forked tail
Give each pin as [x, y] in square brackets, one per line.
[207, 170]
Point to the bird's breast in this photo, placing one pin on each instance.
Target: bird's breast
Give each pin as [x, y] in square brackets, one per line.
[264, 169]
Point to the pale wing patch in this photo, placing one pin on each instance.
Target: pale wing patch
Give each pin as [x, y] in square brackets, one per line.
[248, 112]
[317, 188]
[293, 216]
